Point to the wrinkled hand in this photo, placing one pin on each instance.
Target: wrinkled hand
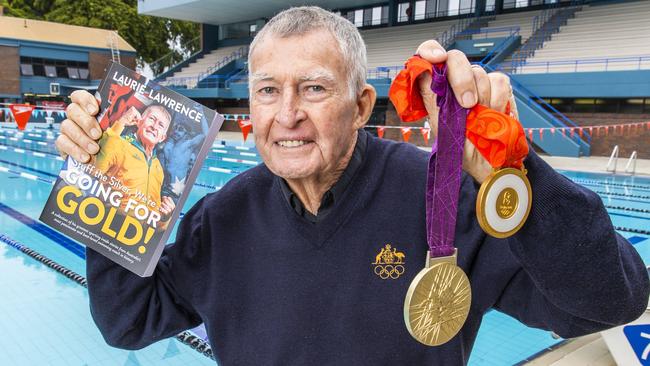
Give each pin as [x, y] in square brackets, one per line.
[471, 86]
[80, 129]
[167, 206]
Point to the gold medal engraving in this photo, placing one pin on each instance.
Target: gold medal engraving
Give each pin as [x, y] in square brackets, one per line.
[504, 202]
[437, 302]
[507, 203]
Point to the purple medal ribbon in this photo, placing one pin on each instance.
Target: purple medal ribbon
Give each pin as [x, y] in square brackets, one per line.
[445, 168]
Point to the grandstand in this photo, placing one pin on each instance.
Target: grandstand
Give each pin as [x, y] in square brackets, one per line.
[524, 38]
[193, 73]
[612, 31]
[392, 48]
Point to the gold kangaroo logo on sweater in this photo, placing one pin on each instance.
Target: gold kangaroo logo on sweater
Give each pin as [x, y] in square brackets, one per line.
[389, 263]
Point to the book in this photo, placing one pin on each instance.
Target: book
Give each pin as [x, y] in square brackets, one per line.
[125, 201]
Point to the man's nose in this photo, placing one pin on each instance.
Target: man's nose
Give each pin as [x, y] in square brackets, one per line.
[290, 113]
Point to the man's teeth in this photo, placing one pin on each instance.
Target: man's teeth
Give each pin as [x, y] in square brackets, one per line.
[291, 143]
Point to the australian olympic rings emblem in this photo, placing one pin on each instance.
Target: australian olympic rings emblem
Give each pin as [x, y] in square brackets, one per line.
[389, 263]
[386, 271]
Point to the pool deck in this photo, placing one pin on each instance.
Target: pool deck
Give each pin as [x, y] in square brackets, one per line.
[595, 164]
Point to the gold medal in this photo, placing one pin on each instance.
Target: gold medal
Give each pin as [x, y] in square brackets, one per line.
[503, 202]
[437, 301]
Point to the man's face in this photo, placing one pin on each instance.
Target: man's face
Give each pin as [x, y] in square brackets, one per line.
[152, 128]
[303, 118]
[180, 131]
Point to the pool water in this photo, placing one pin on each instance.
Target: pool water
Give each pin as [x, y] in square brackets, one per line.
[46, 319]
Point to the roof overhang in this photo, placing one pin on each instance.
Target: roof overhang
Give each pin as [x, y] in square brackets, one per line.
[225, 12]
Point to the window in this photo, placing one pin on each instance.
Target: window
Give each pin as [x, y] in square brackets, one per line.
[358, 18]
[376, 16]
[632, 106]
[420, 7]
[73, 73]
[35, 66]
[404, 12]
[26, 69]
[50, 71]
[39, 70]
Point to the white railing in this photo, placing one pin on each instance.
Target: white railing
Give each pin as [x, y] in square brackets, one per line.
[631, 163]
[613, 160]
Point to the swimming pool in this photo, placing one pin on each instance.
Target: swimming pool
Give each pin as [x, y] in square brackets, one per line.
[45, 314]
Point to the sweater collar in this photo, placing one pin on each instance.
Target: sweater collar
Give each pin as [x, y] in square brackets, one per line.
[334, 193]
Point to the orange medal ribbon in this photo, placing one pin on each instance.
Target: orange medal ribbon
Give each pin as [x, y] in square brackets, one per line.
[498, 137]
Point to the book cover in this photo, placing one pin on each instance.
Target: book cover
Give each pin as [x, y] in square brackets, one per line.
[125, 201]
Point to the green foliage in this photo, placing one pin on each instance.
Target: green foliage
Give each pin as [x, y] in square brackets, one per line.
[152, 37]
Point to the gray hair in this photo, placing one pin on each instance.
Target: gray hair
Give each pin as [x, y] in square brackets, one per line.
[304, 19]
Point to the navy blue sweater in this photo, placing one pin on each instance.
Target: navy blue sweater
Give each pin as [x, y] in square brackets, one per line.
[275, 289]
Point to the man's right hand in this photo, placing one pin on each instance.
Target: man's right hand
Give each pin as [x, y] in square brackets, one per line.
[80, 129]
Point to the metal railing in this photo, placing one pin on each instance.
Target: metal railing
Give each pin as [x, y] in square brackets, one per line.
[631, 163]
[536, 102]
[544, 26]
[613, 161]
[170, 59]
[601, 64]
[447, 38]
[513, 33]
[190, 82]
[487, 32]
[240, 53]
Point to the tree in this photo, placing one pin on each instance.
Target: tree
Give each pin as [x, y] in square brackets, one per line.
[152, 37]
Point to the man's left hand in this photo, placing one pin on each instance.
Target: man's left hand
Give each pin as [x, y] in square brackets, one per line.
[471, 86]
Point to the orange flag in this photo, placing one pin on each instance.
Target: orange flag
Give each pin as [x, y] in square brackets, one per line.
[245, 125]
[426, 133]
[406, 133]
[21, 113]
[380, 132]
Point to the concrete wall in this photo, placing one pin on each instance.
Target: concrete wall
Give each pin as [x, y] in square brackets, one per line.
[98, 63]
[626, 140]
[612, 84]
[10, 70]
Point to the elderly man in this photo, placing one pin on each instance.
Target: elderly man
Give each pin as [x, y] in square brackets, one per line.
[279, 263]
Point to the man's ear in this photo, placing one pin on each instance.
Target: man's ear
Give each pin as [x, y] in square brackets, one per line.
[365, 104]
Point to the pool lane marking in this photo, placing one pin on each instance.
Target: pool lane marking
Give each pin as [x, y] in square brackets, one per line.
[39, 153]
[44, 154]
[45, 230]
[28, 168]
[186, 337]
[28, 176]
[609, 185]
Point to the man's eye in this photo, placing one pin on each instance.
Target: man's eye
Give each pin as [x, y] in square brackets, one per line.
[267, 90]
[315, 88]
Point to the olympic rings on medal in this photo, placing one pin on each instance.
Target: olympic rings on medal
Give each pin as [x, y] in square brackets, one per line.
[386, 271]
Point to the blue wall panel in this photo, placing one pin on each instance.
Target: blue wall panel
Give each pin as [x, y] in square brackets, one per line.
[611, 84]
[53, 53]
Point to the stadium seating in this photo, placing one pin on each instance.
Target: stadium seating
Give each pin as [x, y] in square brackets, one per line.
[522, 20]
[202, 64]
[598, 32]
[391, 47]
